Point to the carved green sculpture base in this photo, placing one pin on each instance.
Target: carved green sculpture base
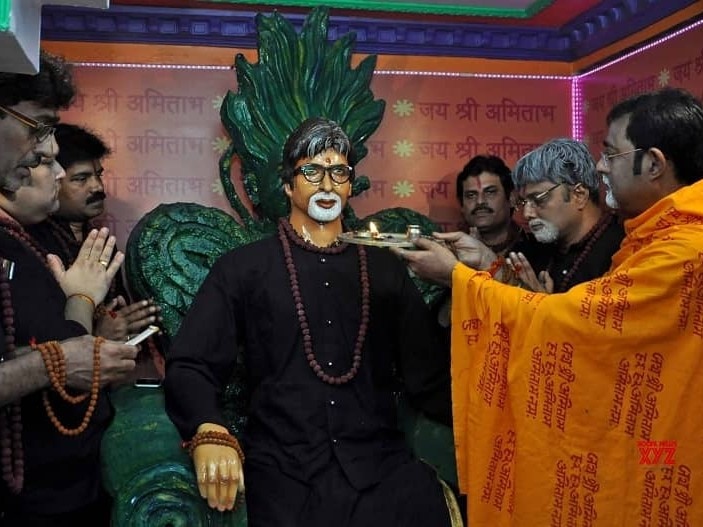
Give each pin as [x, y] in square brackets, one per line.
[151, 478]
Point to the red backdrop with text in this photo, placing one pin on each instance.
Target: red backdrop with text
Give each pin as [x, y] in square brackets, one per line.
[676, 62]
[164, 128]
[163, 125]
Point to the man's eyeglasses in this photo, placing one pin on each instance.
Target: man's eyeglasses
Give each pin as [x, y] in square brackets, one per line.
[315, 173]
[605, 158]
[41, 131]
[537, 200]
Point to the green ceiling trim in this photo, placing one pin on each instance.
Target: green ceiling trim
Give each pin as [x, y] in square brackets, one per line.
[423, 7]
[5, 14]
[536, 7]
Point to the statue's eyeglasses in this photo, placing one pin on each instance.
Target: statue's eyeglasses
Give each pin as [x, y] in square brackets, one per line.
[315, 173]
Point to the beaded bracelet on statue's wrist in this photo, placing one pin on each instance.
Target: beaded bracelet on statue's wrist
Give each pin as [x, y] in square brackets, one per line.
[212, 437]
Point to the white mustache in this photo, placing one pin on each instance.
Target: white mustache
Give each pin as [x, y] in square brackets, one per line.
[326, 196]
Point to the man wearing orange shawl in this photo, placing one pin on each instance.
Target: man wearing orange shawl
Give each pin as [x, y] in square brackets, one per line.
[586, 408]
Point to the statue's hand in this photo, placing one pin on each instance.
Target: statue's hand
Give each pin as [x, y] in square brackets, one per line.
[218, 470]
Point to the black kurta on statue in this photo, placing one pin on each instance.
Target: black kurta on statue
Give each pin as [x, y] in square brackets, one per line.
[308, 429]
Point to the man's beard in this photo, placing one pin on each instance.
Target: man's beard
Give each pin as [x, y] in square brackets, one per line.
[610, 200]
[322, 214]
[548, 233]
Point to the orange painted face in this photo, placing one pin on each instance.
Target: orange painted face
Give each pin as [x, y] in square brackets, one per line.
[322, 201]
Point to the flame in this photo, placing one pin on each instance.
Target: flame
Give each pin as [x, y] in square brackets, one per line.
[373, 230]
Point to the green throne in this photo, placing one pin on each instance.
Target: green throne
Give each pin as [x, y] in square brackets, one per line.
[171, 250]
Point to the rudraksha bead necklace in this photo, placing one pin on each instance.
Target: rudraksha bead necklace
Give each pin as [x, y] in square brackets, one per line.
[11, 449]
[286, 232]
[591, 238]
[16, 231]
[56, 368]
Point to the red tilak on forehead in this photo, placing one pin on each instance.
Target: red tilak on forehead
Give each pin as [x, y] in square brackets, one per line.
[478, 182]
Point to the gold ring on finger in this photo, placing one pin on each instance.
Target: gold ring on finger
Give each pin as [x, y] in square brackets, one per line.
[103, 263]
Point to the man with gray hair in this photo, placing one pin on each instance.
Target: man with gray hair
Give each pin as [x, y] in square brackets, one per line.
[558, 194]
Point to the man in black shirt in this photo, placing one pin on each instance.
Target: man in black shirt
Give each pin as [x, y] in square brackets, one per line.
[559, 195]
[81, 200]
[573, 237]
[484, 188]
[50, 437]
[326, 330]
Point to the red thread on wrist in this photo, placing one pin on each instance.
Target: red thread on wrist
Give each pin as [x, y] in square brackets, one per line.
[495, 266]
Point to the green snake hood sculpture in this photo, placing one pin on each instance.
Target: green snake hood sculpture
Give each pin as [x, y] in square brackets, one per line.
[170, 251]
[297, 76]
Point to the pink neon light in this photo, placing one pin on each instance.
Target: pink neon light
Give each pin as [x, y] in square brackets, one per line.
[577, 92]
[150, 66]
[475, 75]
[640, 50]
[576, 109]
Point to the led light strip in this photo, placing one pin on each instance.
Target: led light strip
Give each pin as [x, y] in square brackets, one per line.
[576, 109]
[577, 93]
[640, 50]
[150, 66]
[475, 75]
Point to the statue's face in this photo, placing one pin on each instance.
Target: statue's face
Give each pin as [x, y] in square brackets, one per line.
[322, 201]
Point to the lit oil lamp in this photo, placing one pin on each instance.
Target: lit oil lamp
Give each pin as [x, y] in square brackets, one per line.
[373, 231]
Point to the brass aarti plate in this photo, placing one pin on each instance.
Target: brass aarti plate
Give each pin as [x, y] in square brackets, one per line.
[382, 239]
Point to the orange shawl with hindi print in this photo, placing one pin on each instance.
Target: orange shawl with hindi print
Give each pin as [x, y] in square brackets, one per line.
[586, 408]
